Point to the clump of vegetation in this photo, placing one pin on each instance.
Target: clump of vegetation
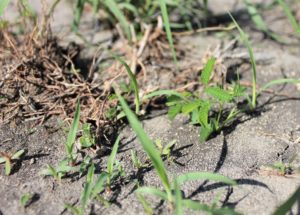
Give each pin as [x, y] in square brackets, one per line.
[8, 159]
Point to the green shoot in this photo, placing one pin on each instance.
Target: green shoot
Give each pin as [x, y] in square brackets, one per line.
[8, 159]
[60, 171]
[165, 150]
[26, 199]
[112, 161]
[246, 42]
[133, 83]
[72, 135]
[278, 81]
[148, 146]
[290, 16]
[136, 161]
[164, 11]
[86, 140]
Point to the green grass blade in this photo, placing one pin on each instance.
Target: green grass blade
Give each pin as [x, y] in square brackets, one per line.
[133, 82]
[290, 16]
[86, 194]
[278, 81]
[3, 5]
[99, 185]
[207, 71]
[246, 42]
[163, 93]
[193, 176]
[72, 133]
[145, 203]
[7, 166]
[285, 207]
[194, 205]
[112, 157]
[115, 10]
[165, 16]
[152, 191]
[178, 199]
[147, 144]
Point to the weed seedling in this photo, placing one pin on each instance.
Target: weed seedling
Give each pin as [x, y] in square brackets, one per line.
[87, 139]
[165, 151]
[175, 200]
[136, 161]
[8, 159]
[72, 136]
[60, 171]
[26, 199]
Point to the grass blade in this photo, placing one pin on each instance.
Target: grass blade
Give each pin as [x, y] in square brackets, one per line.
[165, 16]
[246, 42]
[99, 185]
[133, 82]
[278, 81]
[163, 93]
[72, 133]
[114, 8]
[86, 194]
[178, 199]
[290, 16]
[148, 145]
[3, 5]
[152, 191]
[285, 207]
[192, 176]
[112, 157]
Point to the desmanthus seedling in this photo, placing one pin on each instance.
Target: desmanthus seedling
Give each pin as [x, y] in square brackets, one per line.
[176, 201]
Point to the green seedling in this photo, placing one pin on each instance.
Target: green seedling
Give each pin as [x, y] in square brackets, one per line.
[72, 136]
[87, 139]
[245, 40]
[84, 165]
[59, 171]
[207, 109]
[8, 159]
[136, 161]
[133, 83]
[90, 192]
[165, 150]
[114, 168]
[282, 168]
[26, 199]
[287, 206]
[154, 155]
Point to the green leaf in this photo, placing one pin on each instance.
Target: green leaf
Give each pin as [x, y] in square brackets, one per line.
[174, 111]
[203, 114]
[25, 199]
[77, 14]
[145, 204]
[152, 191]
[191, 106]
[3, 5]
[99, 185]
[278, 81]
[205, 132]
[193, 176]
[178, 199]
[86, 194]
[72, 133]
[166, 21]
[287, 206]
[194, 205]
[219, 94]
[18, 154]
[207, 71]
[133, 82]
[163, 93]
[114, 8]
[246, 42]
[147, 144]
[7, 166]
[112, 157]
